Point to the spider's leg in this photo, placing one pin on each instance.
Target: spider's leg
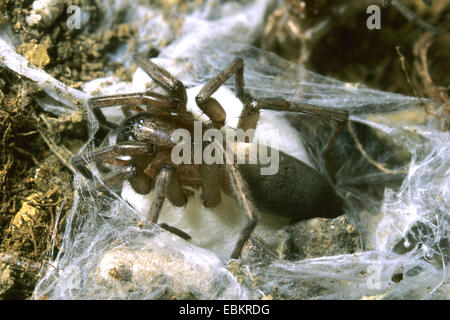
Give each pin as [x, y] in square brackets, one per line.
[129, 101]
[332, 140]
[175, 231]
[127, 109]
[151, 99]
[210, 184]
[162, 77]
[278, 104]
[175, 193]
[163, 187]
[208, 104]
[129, 148]
[114, 178]
[105, 125]
[244, 199]
[117, 176]
[248, 118]
[243, 196]
[159, 194]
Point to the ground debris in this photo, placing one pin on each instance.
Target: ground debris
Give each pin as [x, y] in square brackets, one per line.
[35, 188]
[67, 55]
[321, 237]
[17, 277]
[35, 53]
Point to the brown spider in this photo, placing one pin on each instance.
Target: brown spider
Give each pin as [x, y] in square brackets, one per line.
[296, 191]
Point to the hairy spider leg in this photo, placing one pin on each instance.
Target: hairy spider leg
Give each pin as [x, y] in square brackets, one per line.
[118, 175]
[162, 77]
[250, 114]
[129, 101]
[245, 201]
[129, 148]
[129, 109]
[209, 105]
[159, 194]
[210, 185]
[166, 184]
[210, 178]
[210, 173]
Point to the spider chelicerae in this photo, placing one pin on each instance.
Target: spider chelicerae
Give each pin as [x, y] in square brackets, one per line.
[144, 138]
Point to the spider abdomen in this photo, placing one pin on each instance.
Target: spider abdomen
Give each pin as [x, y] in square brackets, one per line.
[296, 191]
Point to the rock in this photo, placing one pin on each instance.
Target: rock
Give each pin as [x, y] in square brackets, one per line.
[256, 250]
[153, 272]
[306, 239]
[322, 237]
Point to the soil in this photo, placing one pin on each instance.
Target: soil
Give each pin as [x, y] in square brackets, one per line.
[36, 186]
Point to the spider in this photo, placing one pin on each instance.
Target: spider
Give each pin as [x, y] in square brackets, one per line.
[296, 191]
